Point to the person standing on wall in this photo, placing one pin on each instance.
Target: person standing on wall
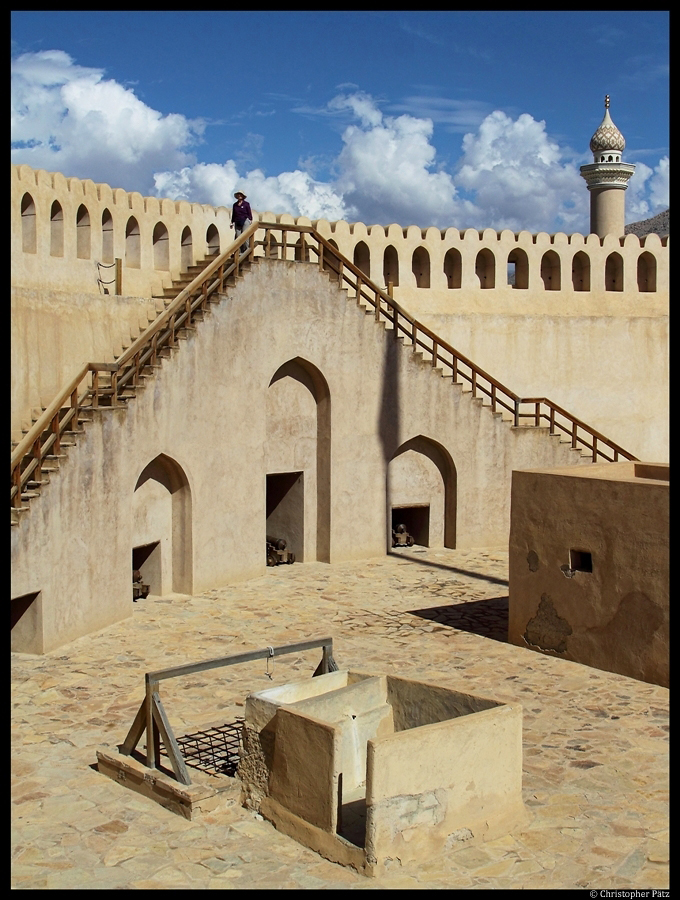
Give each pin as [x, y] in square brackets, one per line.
[241, 217]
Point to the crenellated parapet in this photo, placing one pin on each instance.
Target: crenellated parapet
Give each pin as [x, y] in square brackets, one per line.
[67, 232]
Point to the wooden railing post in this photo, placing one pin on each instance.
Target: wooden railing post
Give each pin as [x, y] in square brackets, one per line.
[56, 431]
[16, 482]
[37, 476]
[119, 277]
[517, 402]
[95, 388]
[537, 414]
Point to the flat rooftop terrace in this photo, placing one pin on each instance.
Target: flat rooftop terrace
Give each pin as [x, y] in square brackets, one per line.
[595, 744]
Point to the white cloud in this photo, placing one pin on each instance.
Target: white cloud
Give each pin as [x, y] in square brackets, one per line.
[68, 118]
[511, 174]
[292, 192]
[518, 177]
[659, 194]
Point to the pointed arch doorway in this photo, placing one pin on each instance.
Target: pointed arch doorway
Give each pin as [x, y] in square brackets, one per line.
[162, 527]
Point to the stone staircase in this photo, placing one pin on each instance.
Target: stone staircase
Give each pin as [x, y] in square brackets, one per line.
[50, 462]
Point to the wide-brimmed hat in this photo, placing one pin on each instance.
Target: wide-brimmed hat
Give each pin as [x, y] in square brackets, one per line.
[239, 194]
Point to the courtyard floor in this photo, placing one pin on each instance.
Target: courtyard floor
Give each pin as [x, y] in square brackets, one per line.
[595, 744]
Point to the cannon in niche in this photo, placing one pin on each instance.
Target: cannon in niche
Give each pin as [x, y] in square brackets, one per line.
[401, 537]
[139, 589]
[277, 552]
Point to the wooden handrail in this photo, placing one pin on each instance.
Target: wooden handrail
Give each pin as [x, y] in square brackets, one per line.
[196, 294]
[37, 429]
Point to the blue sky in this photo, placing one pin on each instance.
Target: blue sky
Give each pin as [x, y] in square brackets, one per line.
[470, 119]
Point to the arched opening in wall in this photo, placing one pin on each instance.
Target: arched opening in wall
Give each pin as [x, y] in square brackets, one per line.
[453, 268]
[28, 229]
[187, 258]
[297, 460]
[161, 247]
[580, 271]
[421, 489]
[302, 250]
[331, 263]
[107, 237]
[133, 245]
[56, 230]
[613, 272]
[550, 271]
[362, 258]
[646, 272]
[83, 234]
[518, 269]
[212, 240]
[485, 269]
[420, 266]
[391, 267]
[162, 528]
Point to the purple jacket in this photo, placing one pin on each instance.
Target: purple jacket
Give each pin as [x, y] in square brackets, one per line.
[239, 214]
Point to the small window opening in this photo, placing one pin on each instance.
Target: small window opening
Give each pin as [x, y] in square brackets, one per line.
[580, 561]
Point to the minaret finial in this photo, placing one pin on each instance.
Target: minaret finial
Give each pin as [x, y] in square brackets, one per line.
[606, 101]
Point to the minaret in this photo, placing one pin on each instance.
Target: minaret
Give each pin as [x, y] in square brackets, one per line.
[607, 178]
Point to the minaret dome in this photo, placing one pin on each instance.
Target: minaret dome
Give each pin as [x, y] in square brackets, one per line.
[607, 178]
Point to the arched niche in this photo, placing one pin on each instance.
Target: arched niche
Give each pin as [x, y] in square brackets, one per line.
[646, 272]
[453, 268]
[485, 269]
[362, 258]
[391, 266]
[580, 271]
[212, 240]
[551, 271]
[187, 259]
[107, 236]
[422, 486]
[133, 245]
[613, 272]
[83, 232]
[298, 442]
[420, 266]
[161, 247]
[162, 527]
[28, 229]
[518, 269]
[56, 230]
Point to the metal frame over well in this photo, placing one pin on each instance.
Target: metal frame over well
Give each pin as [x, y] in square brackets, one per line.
[152, 719]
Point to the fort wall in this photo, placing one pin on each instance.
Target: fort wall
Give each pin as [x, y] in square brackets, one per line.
[578, 318]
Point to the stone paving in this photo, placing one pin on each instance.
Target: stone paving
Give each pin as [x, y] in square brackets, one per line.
[595, 744]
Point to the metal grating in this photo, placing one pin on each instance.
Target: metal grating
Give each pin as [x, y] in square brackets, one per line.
[215, 750]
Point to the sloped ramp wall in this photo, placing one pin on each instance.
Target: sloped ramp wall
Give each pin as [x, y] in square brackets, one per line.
[206, 411]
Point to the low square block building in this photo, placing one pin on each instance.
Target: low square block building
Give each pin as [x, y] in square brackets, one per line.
[589, 566]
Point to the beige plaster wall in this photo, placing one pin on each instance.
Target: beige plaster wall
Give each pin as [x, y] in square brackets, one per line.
[206, 411]
[54, 333]
[612, 372]
[462, 784]
[617, 616]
